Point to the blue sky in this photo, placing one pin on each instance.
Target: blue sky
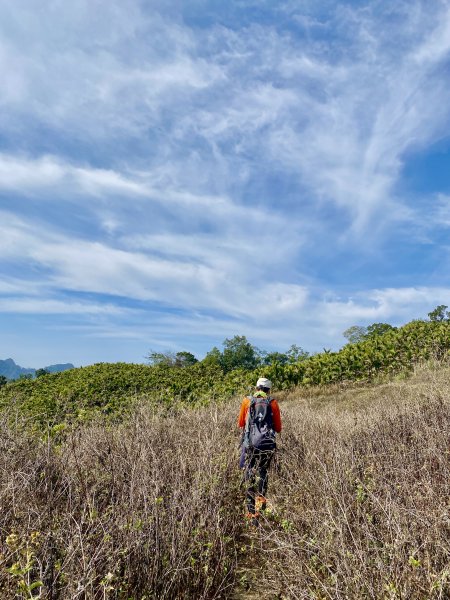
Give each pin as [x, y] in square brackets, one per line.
[172, 174]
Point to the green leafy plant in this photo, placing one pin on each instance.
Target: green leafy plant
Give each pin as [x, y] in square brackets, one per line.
[23, 569]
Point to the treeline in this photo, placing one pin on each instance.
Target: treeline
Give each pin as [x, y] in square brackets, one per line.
[239, 353]
[396, 350]
[80, 394]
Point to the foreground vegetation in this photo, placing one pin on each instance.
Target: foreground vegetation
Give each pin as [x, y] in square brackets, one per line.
[151, 507]
[363, 485]
[147, 509]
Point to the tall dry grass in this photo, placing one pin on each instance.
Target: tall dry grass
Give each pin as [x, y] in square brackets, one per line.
[364, 486]
[153, 508]
[147, 509]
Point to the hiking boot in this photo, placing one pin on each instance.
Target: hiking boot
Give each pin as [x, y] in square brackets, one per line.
[252, 519]
[261, 503]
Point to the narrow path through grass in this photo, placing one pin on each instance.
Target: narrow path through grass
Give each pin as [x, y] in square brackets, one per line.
[361, 490]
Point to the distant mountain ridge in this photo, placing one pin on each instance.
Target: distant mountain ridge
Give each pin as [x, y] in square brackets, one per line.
[10, 370]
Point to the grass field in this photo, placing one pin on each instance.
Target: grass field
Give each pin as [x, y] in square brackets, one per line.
[153, 507]
[362, 490]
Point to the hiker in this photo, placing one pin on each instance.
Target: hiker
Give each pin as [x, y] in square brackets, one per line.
[260, 420]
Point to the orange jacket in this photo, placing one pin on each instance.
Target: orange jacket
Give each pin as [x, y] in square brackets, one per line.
[275, 413]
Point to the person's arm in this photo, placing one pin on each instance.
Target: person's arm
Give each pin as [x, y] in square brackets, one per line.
[276, 416]
[243, 413]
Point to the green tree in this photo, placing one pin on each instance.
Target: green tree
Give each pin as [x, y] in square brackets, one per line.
[296, 354]
[377, 329]
[172, 359]
[440, 313]
[293, 355]
[185, 359]
[355, 334]
[269, 358]
[213, 357]
[3, 380]
[42, 372]
[238, 353]
[161, 358]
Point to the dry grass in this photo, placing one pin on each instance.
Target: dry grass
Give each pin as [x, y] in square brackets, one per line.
[363, 486]
[149, 509]
[152, 508]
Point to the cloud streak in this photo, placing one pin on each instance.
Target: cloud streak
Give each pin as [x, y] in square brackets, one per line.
[222, 171]
[189, 280]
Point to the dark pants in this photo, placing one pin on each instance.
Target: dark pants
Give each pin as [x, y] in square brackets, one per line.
[256, 474]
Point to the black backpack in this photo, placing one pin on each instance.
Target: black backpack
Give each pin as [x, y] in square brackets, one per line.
[259, 432]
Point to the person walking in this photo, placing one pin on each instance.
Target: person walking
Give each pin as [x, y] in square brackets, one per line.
[260, 421]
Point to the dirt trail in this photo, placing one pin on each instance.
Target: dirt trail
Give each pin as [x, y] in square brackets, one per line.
[251, 573]
[254, 550]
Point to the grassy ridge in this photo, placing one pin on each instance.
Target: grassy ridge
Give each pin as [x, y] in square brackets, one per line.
[394, 351]
[112, 388]
[152, 507]
[80, 394]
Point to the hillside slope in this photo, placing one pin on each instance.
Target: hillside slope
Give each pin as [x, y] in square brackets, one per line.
[153, 506]
[360, 495]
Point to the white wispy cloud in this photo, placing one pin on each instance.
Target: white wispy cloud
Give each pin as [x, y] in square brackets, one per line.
[26, 174]
[10, 286]
[442, 214]
[187, 163]
[65, 70]
[318, 323]
[384, 305]
[340, 124]
[64, 180]
[184, 280]
[375, 106]
[37, 306]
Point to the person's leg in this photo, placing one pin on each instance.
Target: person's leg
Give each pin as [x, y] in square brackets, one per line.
[250, 476]
[264, 465]
[242, 457]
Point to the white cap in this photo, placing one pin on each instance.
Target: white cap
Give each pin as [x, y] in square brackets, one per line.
[263, 382]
